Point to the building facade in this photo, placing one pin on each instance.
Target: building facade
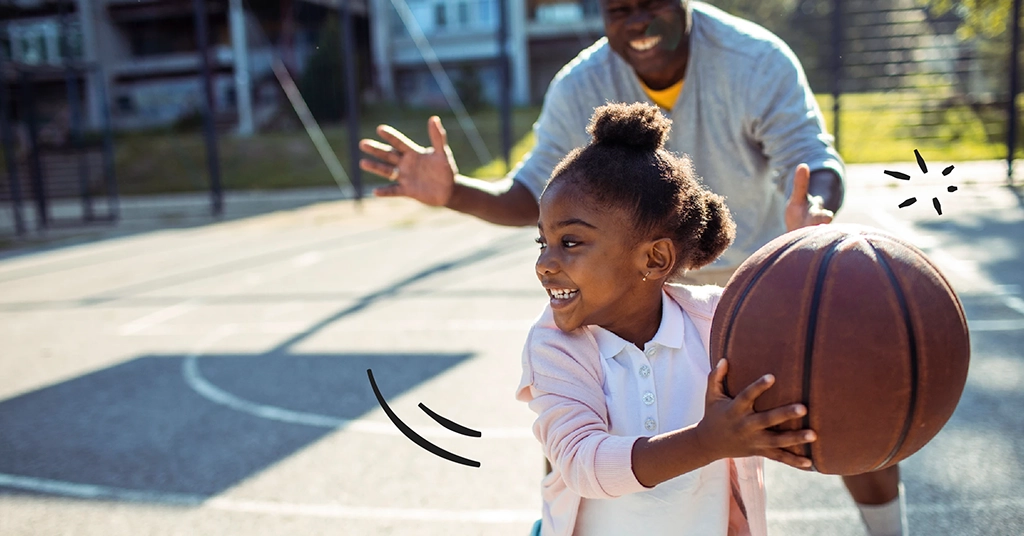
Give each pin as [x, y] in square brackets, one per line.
[411, 38]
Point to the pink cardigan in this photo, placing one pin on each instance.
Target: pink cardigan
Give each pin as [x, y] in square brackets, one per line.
[563, 383]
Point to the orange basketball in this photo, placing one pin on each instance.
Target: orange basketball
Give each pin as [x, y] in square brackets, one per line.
[860, 327]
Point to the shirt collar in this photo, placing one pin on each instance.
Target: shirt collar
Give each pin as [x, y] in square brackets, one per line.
[670, 331]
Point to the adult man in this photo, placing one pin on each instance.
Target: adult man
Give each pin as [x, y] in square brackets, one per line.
[741, 109]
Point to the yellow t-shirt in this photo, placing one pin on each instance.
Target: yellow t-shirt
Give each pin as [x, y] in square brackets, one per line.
[666, 98]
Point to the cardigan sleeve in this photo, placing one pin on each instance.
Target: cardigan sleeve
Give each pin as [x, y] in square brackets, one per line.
[563, 387]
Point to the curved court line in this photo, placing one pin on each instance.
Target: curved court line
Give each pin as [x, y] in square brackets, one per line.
[204, 388]
[488, 516]
[412, 435]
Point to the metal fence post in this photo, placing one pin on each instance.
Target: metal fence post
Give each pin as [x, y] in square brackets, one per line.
[209, 131]
[109, 170]
[10, 155]
[34, 165]
[349, 55]
[75, 113]
[837, 65]
[505, 84]
[1011, 137]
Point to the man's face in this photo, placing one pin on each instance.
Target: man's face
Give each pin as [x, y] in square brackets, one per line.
[650, 35]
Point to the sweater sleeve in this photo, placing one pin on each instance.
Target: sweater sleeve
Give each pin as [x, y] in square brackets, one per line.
[565, 392]
[783, 117]
[557, 132]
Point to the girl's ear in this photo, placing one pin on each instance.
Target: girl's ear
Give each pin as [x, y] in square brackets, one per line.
[660, 259]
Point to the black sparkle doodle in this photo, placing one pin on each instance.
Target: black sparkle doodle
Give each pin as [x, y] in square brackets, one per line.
[924, 169]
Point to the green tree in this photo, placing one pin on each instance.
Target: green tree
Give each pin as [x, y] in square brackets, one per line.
[981, 18]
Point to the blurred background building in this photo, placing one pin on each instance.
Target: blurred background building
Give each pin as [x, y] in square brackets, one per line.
[81, 78]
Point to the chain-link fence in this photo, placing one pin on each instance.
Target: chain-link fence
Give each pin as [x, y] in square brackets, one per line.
[908, 74]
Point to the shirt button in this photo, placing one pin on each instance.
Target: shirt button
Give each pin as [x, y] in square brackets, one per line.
[645, 371]
[648, 398]
[650, 425]
[650, 351]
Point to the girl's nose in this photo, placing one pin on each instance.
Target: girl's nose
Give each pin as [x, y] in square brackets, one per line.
[546, 263]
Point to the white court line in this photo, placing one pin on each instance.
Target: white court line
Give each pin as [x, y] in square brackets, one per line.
[202, 386]
[964, 268]
[996, 325]
[486, 516]
[157, 317]
[252, 278]
[300, 327]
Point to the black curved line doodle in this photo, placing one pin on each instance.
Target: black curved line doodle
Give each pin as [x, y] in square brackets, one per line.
[450, 424]
[416, 438]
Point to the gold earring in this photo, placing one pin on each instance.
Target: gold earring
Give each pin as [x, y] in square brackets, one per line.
[645, 275]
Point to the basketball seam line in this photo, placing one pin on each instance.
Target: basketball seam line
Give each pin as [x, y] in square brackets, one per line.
[812, 326]
[912, 342]
[743, 297]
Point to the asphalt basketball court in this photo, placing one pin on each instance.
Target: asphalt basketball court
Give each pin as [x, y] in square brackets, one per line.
[212, 380]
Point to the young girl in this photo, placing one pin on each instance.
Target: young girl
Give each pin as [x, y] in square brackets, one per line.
[636, 425]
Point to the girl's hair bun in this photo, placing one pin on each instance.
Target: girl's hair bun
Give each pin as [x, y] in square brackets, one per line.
[636, 125]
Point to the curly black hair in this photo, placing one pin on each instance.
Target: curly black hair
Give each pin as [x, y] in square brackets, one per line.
[627, 166]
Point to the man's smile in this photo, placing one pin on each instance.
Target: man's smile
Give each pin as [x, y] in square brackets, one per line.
[645, 43]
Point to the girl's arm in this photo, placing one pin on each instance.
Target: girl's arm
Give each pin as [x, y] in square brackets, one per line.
[593, 463]
[730, 429]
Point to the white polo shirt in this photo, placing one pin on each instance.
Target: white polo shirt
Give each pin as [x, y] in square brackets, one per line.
[649, 392]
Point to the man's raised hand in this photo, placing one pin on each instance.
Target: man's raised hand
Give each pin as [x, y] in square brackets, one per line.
[426, 174]
[803, 210]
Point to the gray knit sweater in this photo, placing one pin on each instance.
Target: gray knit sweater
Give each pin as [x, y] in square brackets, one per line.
[745, 116]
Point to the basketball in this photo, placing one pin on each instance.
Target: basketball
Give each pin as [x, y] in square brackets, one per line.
[860, 327]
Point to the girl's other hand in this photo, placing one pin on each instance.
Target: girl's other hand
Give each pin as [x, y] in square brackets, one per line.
[732, 429]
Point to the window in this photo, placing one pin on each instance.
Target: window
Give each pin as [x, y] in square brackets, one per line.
[440, 16]
[463, 14]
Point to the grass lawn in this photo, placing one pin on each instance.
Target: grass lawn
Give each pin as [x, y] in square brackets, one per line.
[873, 128]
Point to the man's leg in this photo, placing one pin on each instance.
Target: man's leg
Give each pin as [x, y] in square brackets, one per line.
[879, 497]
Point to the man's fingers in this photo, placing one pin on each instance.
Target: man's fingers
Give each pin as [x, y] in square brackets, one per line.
[438, 135]
[391, 190]
[801, 182]
[377, 168]
[397, 139]
[380, 151]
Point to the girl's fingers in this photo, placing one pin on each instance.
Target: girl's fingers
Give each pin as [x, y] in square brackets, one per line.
[747, 397]
[790, 439]
[777, 416]
[715, 387]
[790, 459]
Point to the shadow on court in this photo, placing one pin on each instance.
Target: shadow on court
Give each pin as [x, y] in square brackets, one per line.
[140, 426]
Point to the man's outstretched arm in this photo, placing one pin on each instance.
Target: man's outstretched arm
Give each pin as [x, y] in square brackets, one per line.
[431, 176]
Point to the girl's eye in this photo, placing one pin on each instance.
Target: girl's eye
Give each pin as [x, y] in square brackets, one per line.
[541, 241]
[569, 243]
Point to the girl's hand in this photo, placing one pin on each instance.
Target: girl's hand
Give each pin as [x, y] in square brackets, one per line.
[732, 429]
